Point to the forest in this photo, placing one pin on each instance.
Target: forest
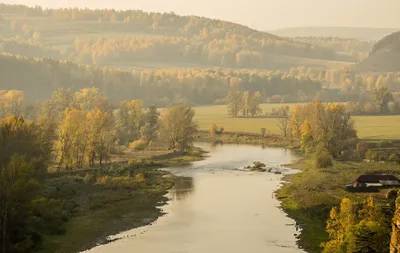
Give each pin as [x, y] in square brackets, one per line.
[160, 87]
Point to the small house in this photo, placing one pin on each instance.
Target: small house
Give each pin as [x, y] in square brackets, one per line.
[372, 183]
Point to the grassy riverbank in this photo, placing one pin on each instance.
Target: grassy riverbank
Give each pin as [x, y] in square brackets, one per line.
[104, 201]
[308, 197]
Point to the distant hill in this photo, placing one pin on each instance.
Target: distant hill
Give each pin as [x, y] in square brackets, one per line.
[384, 57]
[360, 33]
[138, 39]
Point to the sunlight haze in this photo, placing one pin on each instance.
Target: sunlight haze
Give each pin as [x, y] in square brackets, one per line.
[262, 15]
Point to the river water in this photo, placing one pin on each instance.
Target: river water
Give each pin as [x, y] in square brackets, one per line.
[218, 207]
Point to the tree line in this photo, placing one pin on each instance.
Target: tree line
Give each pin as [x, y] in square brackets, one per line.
[230, 51]
[71, 130]
[349, 81]
[246, 103]
[29, 48]
[356, 49]
[159, 87]
[325, 129]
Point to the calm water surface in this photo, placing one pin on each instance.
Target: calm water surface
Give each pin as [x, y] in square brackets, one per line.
[218, 207]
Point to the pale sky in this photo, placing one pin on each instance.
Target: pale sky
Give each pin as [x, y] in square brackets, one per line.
[259, 14]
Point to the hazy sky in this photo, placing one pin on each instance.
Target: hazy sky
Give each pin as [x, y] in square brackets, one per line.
[259, 14]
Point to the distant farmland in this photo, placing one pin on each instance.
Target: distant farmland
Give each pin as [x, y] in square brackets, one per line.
[368, 127]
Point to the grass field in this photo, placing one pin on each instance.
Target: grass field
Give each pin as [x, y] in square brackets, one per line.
[368, 127]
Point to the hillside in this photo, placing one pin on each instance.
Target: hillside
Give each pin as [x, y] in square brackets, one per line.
[133, 39]
[360, 33]
[384, 57]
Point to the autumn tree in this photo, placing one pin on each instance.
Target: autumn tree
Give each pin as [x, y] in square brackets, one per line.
[151, 124]
[358, 227]
[307, 139]
[283, 120]
[129, 120]
[23, 137]
[88, 99]
[11, 103]
[245, 108]
[362, 148]
[101, 135]
[235, 102]
[333, 127]
[382, 96]
[178, 128]
[299, 113]
[71, 145]
[254, 106]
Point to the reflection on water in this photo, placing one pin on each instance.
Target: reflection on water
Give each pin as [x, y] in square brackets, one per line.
[218, 207]
[182, 188]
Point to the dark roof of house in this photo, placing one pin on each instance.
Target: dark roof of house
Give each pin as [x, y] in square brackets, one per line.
[375, 178]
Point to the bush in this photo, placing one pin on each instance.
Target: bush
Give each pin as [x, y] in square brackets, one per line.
[263, 131]
[391, 194]
[89, 178]
[362, 148]
[371, 155]
[394, 158]
[323, 159]
[140, 178]
[236, 137]
[138, 145]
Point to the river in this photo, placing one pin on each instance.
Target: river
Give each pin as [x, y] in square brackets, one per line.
[218, 207]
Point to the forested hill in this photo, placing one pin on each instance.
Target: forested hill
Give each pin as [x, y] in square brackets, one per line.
[384, 57]
[136, 38]
[160, 87]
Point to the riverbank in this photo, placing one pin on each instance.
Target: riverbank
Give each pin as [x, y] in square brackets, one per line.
[308, 197]
[268, 140]
[104, 201]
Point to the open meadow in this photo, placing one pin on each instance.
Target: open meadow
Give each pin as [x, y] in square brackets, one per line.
[368, 127]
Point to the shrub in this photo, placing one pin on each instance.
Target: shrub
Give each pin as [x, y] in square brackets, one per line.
[236, 137]
[323, 159]
[391, 194]
[89, 178]
[140, 178]
[263, 131]
[393, 158]
[371, 155]
[138, 145]
[362, 148]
